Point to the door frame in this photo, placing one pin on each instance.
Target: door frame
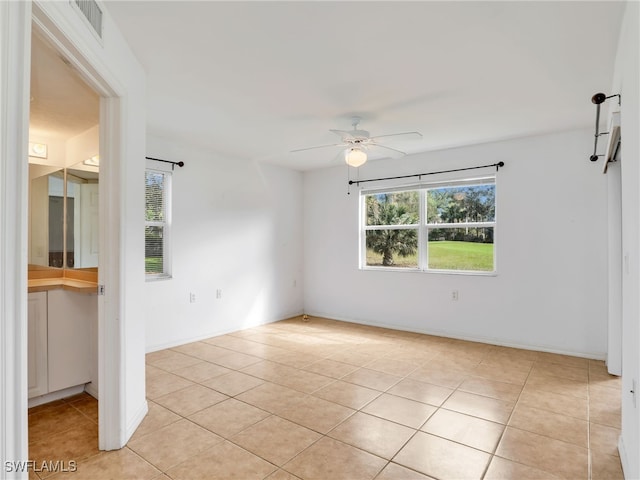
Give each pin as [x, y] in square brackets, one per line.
[111, 421]
[120, 332]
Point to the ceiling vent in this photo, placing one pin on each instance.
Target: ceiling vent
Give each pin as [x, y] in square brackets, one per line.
[92, 12]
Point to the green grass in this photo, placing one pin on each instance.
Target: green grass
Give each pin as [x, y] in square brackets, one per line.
[449, 255]
[446, 255]
[153, 264]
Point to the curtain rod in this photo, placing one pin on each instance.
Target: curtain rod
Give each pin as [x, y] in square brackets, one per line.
[358, 182]
[173, 164]
[597, 99]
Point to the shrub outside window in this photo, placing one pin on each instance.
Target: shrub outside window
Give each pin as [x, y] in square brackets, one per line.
[443, 227]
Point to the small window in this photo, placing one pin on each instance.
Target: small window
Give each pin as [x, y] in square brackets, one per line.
[157, 224]
[441, 227]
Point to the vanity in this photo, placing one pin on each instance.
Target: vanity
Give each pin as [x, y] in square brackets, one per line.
[62, 332]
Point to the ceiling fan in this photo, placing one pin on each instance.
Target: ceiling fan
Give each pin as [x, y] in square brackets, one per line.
[356, 142]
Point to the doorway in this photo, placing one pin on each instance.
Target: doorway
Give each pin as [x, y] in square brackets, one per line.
[105, 116]
[63, 258]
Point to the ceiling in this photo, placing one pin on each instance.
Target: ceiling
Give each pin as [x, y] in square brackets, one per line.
[255, 80]
[62, 104]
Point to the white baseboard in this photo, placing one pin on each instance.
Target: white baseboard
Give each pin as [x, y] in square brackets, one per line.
[137, 420]
[92, 389]
[624, 460]
[469, 338]
[53, 396]
[183, 341]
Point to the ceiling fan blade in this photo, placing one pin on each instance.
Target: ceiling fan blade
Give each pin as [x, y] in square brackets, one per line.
[318, 146]
[343, 134]
[388, 148]
[414, 134]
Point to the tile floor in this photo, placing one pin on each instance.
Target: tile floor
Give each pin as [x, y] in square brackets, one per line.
[330, 400]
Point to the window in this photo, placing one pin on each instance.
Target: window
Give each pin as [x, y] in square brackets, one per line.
[445, 227]
[157, 224]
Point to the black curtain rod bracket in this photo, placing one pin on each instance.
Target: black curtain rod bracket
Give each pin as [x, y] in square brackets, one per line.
[420, 175]
[598, 99]
[173, 164]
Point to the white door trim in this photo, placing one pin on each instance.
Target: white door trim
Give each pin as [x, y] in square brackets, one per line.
[15, 66]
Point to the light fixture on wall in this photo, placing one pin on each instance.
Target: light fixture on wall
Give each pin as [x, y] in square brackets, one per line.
[93, 161]
[355, 156]
[38, 150]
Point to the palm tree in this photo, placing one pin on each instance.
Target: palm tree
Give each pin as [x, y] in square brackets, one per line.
[391, 241]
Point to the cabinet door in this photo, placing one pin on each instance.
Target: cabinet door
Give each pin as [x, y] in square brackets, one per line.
[37, 344]
[70, 317]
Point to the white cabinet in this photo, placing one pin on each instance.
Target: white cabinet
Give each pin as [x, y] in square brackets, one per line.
[37, 344]
[61, 347]
[70, 317]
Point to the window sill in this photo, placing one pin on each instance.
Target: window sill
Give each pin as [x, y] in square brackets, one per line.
[157, 278]
[431, 272]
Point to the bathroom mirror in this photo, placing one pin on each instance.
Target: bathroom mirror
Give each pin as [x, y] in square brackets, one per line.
[56, 240]
[82, 216]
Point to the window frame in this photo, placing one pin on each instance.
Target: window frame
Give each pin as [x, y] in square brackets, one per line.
[166, 226]
[424, 227]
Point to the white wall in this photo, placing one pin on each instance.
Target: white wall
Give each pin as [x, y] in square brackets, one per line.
[550, 290]
[237, 227]
[627, 83]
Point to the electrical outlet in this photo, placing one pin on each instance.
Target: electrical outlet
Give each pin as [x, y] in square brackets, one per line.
[454, 295]
[192, 298]
[219, 293]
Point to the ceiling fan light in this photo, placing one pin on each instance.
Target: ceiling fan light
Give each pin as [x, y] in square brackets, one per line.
[355, 157]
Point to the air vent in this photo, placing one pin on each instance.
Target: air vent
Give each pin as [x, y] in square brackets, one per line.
[92, 12]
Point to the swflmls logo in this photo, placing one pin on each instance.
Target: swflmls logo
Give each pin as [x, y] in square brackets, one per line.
[43, 466]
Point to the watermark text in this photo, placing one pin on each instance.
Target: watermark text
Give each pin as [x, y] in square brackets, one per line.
[51, 466]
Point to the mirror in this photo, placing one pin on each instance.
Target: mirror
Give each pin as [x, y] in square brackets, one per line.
[82, 217]
[59, 241]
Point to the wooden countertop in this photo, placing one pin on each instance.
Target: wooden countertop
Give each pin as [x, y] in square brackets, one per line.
[42, 279]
